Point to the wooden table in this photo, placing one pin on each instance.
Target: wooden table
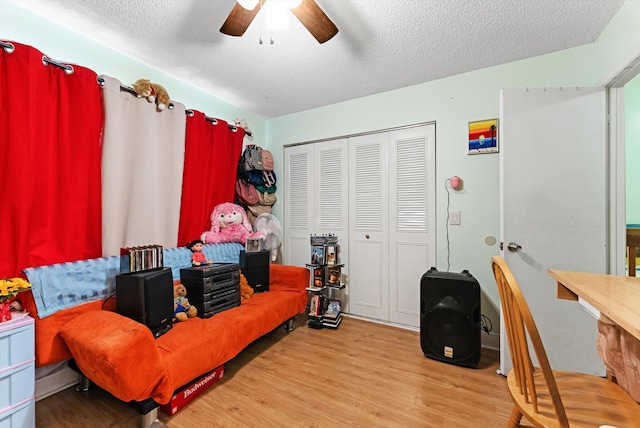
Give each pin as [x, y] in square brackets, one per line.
[616, 297]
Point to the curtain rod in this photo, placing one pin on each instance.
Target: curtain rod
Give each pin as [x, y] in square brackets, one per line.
[188, 112]
[213, 120]
[68, 69]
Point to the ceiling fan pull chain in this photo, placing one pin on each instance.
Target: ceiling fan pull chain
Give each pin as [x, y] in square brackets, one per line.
[261, 40]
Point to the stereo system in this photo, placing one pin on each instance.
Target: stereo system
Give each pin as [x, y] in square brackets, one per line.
[212, 288]
[450, 317]
[147, 297]
[254, 265]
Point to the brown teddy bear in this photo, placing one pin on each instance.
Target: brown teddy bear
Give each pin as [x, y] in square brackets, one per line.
[245, 289]
[153, 92]
[182, 310]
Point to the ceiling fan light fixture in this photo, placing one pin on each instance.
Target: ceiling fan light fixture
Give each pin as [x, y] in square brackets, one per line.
[289, 4]
[248, 4]
[275, 17]
[310, 15]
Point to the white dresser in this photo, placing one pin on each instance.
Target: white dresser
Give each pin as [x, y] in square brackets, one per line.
[17, 373]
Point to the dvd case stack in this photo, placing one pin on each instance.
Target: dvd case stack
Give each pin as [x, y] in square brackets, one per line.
[136, 259]
[315, 316]
[332, 316]
[324, 250]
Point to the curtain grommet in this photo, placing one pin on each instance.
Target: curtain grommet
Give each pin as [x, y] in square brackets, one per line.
[8, 47]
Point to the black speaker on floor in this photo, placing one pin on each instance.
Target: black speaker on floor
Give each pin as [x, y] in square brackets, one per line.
[254, 265]
[450, 317]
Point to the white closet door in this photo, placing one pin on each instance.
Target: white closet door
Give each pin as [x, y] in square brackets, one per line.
[331, 189]
[368, 226]
[376, 192]
[331, 207]
[316, 198]
[412, 241]
[299, 206]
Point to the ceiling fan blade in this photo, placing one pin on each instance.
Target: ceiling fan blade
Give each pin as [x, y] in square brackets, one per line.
[315, 20]
[239, 20]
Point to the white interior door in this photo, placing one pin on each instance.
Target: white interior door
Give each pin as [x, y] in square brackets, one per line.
[368, 226]
[412, 242]
[553, 160]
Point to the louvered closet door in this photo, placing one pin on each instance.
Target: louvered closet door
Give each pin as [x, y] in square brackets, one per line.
[316, 203]
[368, 226]
[331, 190]
[392, 222]
[332, 203]
[412, 243]
[299, 204]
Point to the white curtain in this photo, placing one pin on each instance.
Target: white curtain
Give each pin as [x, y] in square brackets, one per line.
[142, 165]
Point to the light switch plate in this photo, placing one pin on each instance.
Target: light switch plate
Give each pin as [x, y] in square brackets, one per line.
[454, 219]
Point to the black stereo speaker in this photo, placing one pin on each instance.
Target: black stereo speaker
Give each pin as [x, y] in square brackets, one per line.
[254, 265]
[450, 317]
[147, 297]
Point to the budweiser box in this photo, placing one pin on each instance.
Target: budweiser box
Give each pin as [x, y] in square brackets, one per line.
[186, 394]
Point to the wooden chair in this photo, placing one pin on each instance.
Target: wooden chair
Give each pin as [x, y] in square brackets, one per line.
[549, 398]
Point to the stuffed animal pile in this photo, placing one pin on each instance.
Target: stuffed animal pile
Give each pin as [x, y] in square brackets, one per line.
[153, 92]
[229, 223]
[182, 310]
[246, 291]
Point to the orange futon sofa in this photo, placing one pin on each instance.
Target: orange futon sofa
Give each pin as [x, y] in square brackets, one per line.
[122, 356]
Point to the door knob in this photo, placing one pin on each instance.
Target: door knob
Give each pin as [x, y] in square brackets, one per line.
[513, 247]
[366, 236]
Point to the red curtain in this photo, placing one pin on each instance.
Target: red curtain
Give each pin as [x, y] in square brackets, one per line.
[50, 131]
[211, 155]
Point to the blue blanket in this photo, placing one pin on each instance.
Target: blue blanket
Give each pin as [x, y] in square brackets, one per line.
[64, 285]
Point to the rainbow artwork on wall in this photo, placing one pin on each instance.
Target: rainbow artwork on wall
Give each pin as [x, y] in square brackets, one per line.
[483, 136]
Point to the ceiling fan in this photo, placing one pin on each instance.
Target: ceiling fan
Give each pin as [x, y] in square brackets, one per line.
[307, 11]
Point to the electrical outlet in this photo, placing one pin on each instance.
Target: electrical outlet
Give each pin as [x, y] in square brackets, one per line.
[454, 219]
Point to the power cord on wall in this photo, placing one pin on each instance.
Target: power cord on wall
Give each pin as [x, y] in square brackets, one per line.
[485, 324]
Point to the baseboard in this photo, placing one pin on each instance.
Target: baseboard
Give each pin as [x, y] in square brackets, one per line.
[377, 321]
[490, 341]
[56, 382]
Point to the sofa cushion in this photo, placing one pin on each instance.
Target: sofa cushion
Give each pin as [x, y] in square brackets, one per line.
[50, 348]
[118, 354]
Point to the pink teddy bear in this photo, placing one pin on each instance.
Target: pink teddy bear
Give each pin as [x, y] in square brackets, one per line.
[229, 223]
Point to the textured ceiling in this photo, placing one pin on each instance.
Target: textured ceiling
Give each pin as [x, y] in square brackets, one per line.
[382, 44]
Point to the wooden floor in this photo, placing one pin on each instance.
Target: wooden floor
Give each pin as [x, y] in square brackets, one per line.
[362, 374]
